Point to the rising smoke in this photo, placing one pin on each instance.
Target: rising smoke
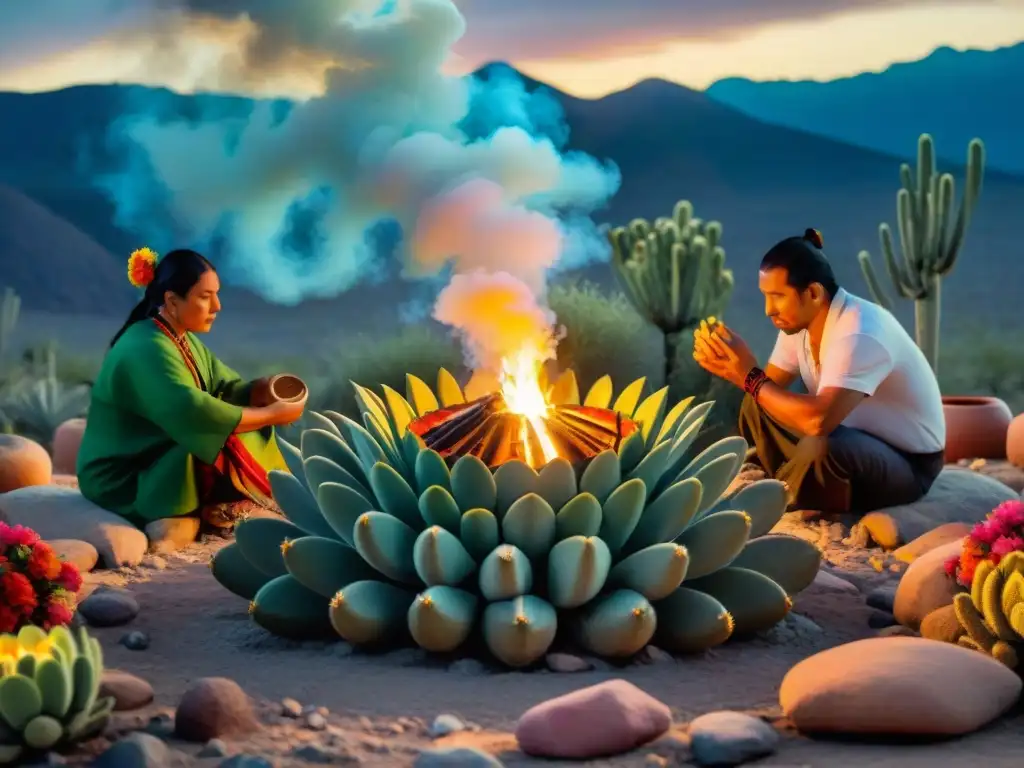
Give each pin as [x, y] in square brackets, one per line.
[473, 171]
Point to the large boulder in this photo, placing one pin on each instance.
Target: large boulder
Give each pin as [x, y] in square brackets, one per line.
[905, 686]
[958, 496]
[56, 512]
[23, 463]
[925, 586]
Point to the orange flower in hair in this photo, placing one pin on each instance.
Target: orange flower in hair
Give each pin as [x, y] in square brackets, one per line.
[142, 267]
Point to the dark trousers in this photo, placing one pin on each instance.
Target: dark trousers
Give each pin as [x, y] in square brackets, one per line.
[849, 471]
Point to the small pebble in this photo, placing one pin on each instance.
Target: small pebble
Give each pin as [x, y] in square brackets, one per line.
[245, 761]
[468, 667]
[135, 641]
[882, 598]
[461, 757]
[315, 721]
[730, 738]
[161, 725]
[290, 708]
[213, 748]
[445, 724]
[154, 562]
[651, 654]
[566, 662]
[109, 608]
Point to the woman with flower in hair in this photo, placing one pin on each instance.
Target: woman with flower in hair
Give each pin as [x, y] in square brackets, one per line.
[171, 429]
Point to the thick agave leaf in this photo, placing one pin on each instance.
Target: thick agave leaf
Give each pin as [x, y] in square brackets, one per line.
[715, 478]
[319, 442]
[621, 513]
[790, 562]
[618, 624]
[655, 572]
[420, 395]
[448, 390]
[602, 475]
[441, 618]
[341, 507]
[320, 470]
[235, 573]
[325, 565]
[577, 570]
[734, 445]
[473, 484]
[665, 518]
[679, 456]
[384, 440]
[410, 447]
[297, 503]
[292, 458]
[519, 631]
[513, 480]
[20, 701]
[580, 517]
[505, 573]
[600, 394]
[627, 400]
[649, 415]
[556, 483]
[754, 601]
[565, 390]
[479, 531]
[667, 431]
[438, 507]
[386, 543]
[440, 559]
[653, 466]
[395, 495]
[260, 539]
[366, 448]
[631, 451]
[715, 541]
[430, 469]
[765, 501]
[399, 411]
[690, 622]
[287, 609]
[371, 612]
[697, 415]
[372, 408]
[529, 525]
[319, 421]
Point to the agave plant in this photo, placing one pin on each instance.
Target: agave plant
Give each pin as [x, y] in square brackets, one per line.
[992, 613]
[39, 406]
[49, 691]
[385, 543]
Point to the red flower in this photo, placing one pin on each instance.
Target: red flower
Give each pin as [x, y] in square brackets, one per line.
[57, 614]
[9, 620]
[43, 564]
[69, 577]
[17, 536]
[16, 591]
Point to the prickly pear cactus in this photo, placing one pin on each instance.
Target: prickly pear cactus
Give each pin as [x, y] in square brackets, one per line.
[992, 613]
[384, 543]
[49, 691]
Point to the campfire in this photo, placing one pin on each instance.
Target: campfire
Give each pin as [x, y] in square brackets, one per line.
[520, 422]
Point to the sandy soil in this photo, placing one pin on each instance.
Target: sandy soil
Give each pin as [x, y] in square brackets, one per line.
[381, 705]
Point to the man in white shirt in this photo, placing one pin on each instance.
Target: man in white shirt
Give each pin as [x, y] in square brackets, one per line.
[871, 426]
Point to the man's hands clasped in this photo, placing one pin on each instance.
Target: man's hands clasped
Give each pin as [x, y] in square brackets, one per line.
[721, 352]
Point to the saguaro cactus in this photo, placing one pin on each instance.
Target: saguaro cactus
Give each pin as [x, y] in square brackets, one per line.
[673, 271]
[930, 239]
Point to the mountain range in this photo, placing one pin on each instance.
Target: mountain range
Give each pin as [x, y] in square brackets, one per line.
[764, 181]
[953, 95]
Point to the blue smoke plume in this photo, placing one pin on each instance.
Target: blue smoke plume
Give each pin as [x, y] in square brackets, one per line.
[304, 199]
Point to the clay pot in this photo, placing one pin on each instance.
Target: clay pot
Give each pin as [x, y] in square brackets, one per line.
[67, 438]
[1015, 441]
[23, 462]
[976, 427]
[284, 387]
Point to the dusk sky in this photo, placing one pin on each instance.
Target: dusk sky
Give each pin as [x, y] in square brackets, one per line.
[585, 47]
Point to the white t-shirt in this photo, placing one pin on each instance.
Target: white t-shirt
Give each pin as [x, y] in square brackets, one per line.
[864, 348]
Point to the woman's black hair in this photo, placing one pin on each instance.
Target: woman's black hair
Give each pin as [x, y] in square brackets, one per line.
[177, 272]
[804, 261]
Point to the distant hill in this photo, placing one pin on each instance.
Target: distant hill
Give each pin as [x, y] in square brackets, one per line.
[953, 95]
[764, 182]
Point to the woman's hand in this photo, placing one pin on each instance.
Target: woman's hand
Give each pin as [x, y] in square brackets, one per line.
[284, 412]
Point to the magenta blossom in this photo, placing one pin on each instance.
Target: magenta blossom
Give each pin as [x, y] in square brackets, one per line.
[1004, 545]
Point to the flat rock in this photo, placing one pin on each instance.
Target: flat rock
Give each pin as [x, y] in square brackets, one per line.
[136, 750]
[171, 534]
[55, 512]
[829, 582]
[942, 625]
[214, 707]
[80, 554]
[730, 738]
[944, 534]
[129, 692]
[958, 496]
[604, 719]
[905, 686]
[109, 607]
[458, 757]
[1003, 471]
[925, 586]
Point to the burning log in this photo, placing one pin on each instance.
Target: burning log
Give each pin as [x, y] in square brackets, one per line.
[487, 429]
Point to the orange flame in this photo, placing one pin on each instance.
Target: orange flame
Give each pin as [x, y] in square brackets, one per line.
[520, 387]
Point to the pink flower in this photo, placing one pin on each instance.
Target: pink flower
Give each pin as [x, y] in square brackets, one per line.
[985, 532]
[17, 536]
[70, 578]
[1010, 513]
[1004, 545]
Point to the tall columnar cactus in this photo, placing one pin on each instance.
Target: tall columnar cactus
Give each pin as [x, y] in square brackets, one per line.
[385, 543]
[49, 691]
[10, 309]
[930, 239]
[673, 271]
[992, 613]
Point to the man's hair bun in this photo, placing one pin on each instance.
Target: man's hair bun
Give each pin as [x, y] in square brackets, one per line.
[814, 237]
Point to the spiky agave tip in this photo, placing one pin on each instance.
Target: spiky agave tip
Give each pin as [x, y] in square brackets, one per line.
[638, 612]
[426, 601]
[505, 555]
[747, 519]
[364, 519]
[730, 622]
[680, 551]
[789, 603]
[252, 607]
[434, 530]
[521, 620]
[285, 546]
[338, 598]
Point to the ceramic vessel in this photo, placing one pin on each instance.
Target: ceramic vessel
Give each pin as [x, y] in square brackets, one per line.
[67, 439]
[286, 387]
[23, 462]
[976, 427]
[1015, 441]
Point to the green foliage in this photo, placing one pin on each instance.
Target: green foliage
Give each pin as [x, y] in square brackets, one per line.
[386, 543]
[983, 362]
[992, 613]
[49, 692]
[931, 237]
